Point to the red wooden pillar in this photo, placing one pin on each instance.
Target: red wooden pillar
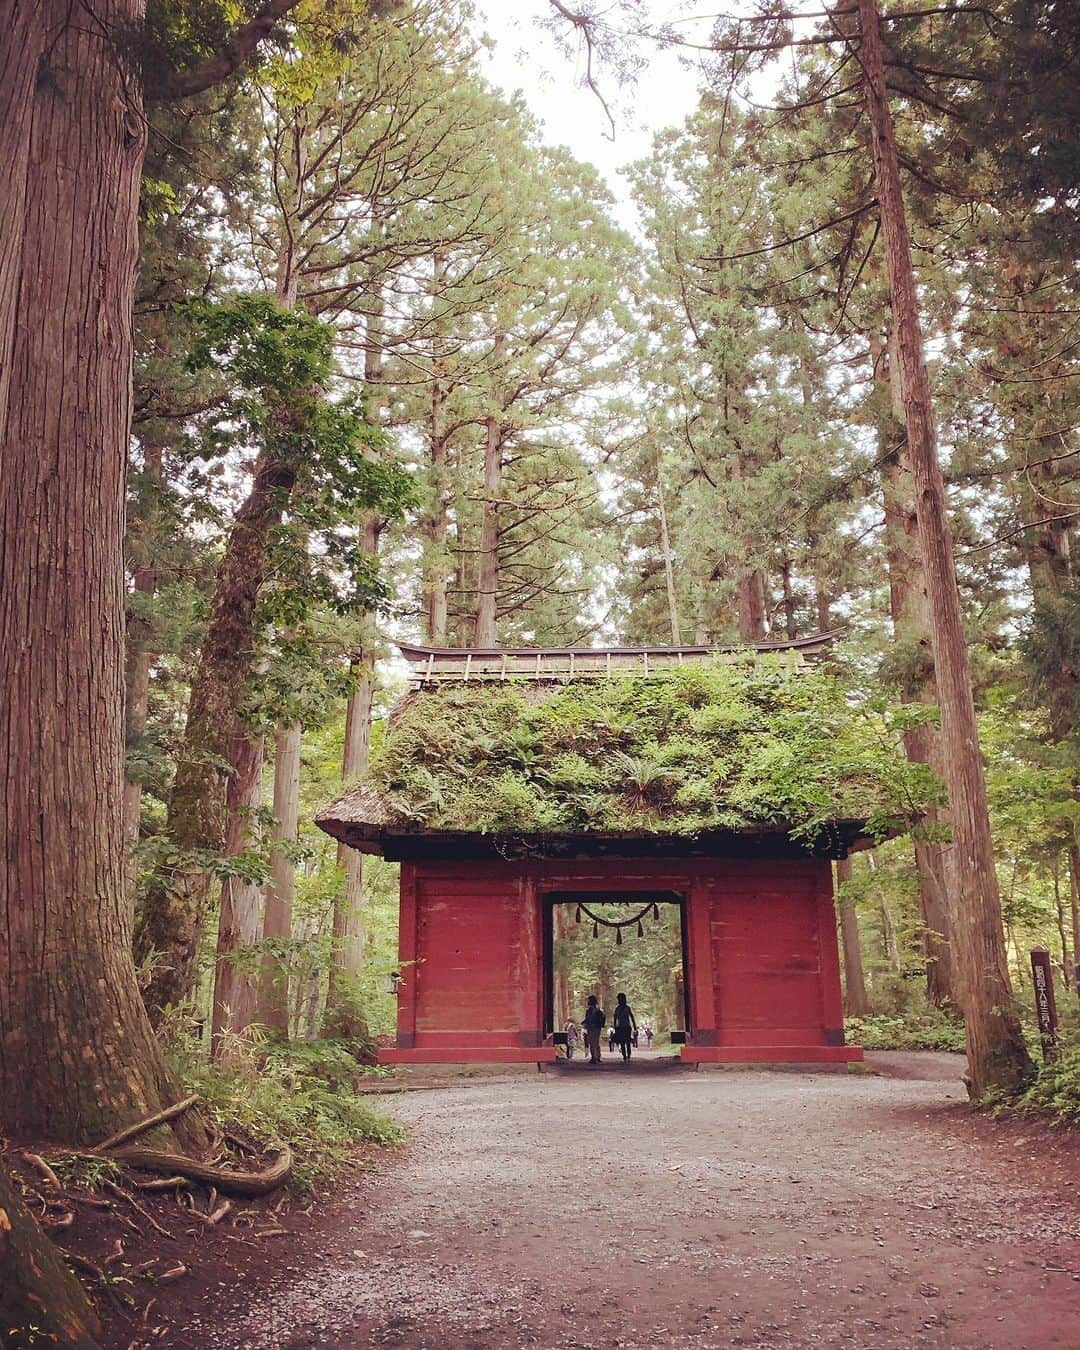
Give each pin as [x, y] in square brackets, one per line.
[408, 946]
[699, 972]
[832, 1002]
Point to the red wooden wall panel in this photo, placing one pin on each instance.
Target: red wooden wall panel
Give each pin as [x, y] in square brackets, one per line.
[468, 937]
[766, 959]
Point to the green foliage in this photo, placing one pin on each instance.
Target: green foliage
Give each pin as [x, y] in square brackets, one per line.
[723, 746]
[304, 1094]
[933, 1029]
[1055, 1091]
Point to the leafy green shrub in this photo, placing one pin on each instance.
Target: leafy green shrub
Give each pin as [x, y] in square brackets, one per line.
[931, 1030]
[1055, 1090]
[303, 1094]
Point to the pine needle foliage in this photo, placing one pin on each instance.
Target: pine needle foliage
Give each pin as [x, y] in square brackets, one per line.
[712, 747]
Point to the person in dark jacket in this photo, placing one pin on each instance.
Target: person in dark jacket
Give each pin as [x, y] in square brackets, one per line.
[624, 1024]
[593, 1022]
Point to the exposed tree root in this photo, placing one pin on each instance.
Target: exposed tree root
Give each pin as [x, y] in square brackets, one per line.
[177, 1167]
[227, 1182]
[141, 1126]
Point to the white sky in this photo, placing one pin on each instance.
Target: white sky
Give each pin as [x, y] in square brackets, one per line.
[527, 58]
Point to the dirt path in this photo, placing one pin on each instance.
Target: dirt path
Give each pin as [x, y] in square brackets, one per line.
[604, 1209]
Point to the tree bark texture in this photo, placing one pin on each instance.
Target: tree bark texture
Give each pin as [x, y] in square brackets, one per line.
[997, 1054]
[344, 1009]
[344, 1015]
[41, 1301]
[750, 599]
[436, 522]
[173, 910]
[669, 560]
[71, 131]
[1074, 886]
[240, 922]
[487, 585]
[909, 608]
[856, 1002]
[277, 923]
[140, 637]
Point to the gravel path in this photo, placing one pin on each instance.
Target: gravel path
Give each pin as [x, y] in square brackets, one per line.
[646, 1209]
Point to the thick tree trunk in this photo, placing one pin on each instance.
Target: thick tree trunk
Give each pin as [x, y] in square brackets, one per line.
[41, 1301]
[997, 1054]
[909, 607]
[71, 133]
[856, 1002]
[240, 923]
[277, 924]
[487, 585]
[173, 910]
[750, 599]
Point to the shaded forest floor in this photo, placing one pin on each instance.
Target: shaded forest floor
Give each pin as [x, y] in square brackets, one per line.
[628, 1209]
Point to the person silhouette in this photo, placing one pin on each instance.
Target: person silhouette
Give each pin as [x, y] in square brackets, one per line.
[624, 1024]
[593, 1021]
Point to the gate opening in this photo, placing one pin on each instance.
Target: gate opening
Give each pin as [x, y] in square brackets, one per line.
[631, 942]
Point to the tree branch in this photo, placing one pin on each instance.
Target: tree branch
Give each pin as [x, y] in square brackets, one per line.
[216, 68]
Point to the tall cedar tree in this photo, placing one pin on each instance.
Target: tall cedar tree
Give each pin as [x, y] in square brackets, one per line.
[997, 1056]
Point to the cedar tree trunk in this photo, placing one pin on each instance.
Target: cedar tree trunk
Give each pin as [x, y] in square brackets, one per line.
[140, 637]
[71, 144]
[750, 598]
[856, 1002]
[487, 586]
[910, 612]
[240, 924]
[669, 560]
[997, 1054]
[435, 523]
[344, 1009]
[277, 924]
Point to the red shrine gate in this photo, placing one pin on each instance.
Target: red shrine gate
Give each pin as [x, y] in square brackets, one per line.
[761, 975]
[762, 971]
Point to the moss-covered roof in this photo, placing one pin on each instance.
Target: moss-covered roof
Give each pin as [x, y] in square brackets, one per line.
[762, 745]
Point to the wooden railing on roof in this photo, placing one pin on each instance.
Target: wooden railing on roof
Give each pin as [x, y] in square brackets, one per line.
[433, 665]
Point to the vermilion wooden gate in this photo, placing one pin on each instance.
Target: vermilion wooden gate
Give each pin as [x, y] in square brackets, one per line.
[762, 970]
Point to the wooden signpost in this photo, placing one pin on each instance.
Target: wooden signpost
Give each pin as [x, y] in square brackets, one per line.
[1043, 980]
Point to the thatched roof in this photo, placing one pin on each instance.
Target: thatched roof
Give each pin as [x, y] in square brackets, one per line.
[695, 756]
